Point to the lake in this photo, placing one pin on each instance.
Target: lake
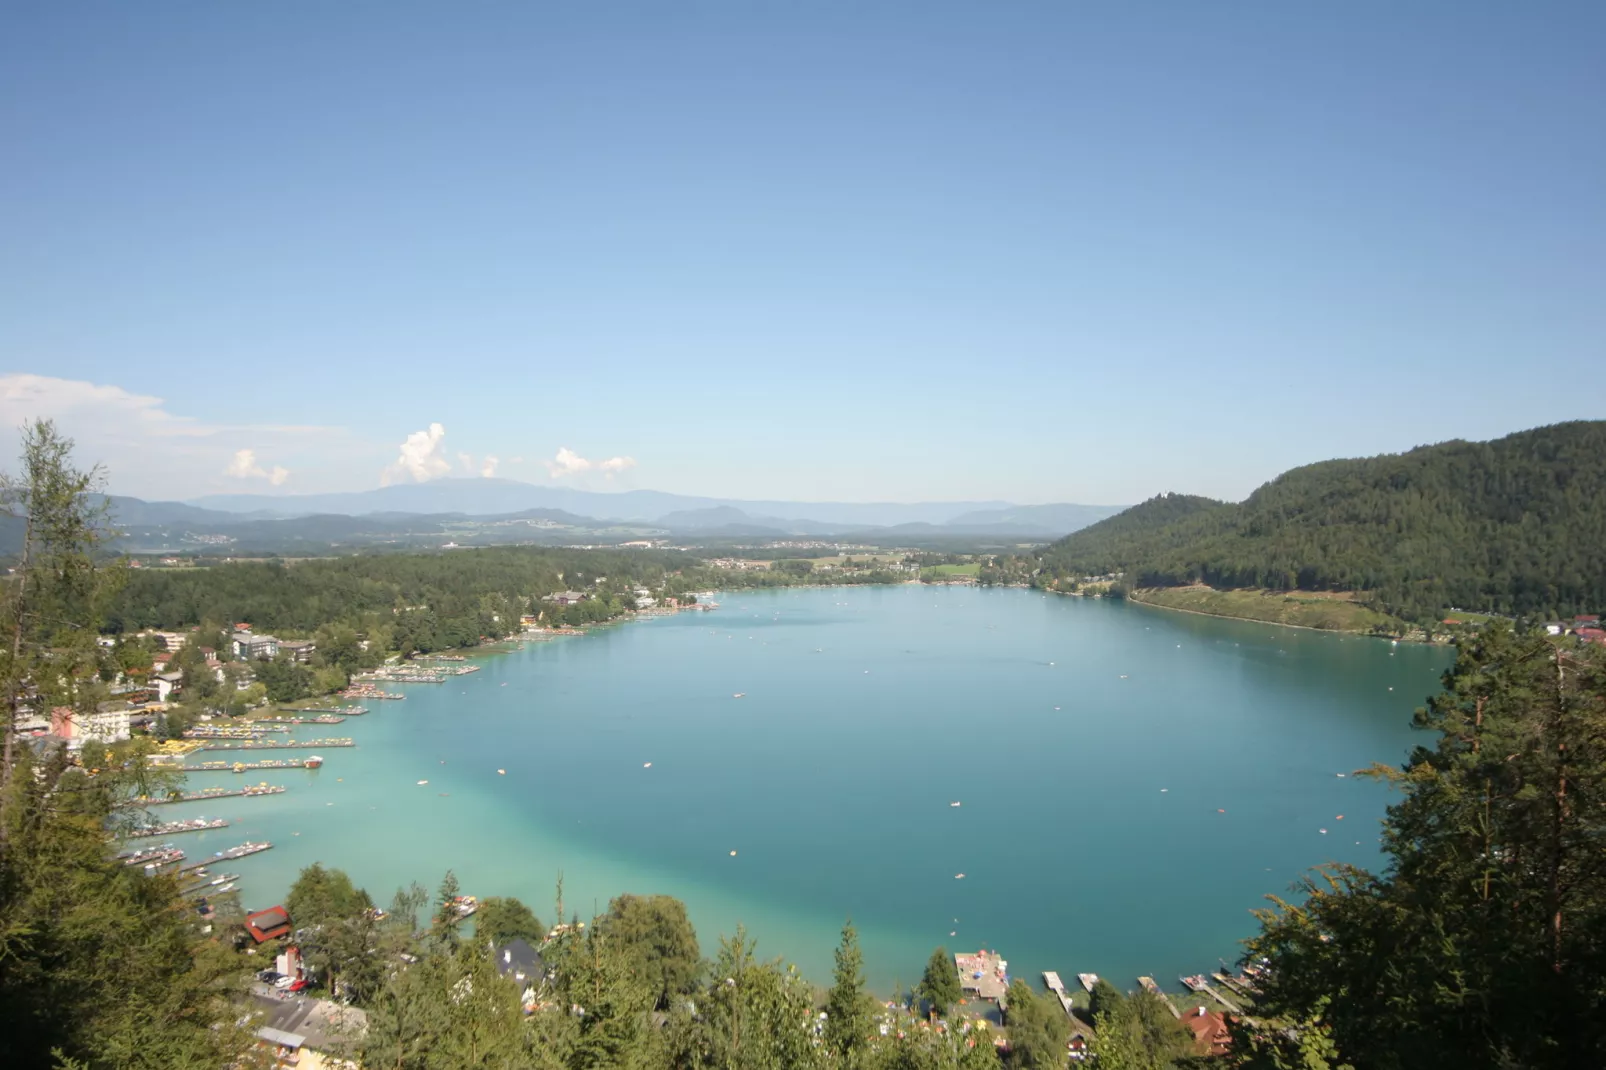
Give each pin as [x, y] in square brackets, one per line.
[1132, 781]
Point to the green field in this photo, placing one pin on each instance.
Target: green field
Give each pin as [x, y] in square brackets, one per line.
[1304, 609]
[940, 571]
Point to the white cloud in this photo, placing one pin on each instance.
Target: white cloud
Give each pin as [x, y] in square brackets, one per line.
[569, 463]
[154, 453]
[245, 466]
[421, 458]
[488, 466]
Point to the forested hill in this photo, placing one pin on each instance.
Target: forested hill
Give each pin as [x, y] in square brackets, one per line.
[1512, 526]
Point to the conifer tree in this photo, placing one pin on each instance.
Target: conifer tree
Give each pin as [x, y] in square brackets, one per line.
[847, 1023]
[940, 984]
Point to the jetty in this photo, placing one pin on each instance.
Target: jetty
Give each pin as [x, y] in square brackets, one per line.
[1088, 981]
[1056, 986]
[173, 828]
[210, 793]
[1199, 985]
[1152, 987]
[368, 691]
[322, 718]
[241, 767]
[232, 853]
[152, 856]
[344, 711]
[277, 744]
[983, 974]
[203, 883]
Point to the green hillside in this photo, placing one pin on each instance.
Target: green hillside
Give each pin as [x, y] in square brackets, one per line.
[1512, 526]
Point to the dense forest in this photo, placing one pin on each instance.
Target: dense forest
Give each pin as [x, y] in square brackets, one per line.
[1511, 526]
[430, 601]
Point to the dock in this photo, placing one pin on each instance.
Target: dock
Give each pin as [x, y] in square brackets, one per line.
[1198, 984]
[322, 718]
[203, 796]
[982, 974]
[1088, 981]
[1056, 986]
[1152, 987]
[227, 856]
[270, 744]
[174, 828]
[241, 767]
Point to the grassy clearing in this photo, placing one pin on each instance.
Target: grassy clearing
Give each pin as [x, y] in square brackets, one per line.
[969, 569]
[1328, 611]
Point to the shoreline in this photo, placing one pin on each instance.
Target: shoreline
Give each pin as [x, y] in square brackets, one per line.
[1131, 597]
[1258, 620]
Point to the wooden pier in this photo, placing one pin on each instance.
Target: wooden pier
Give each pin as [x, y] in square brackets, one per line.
[174, 828]
[203, 796]
[1152, 987]
[268, 744]
[243, 851]
[1056, 986]
[241, 767]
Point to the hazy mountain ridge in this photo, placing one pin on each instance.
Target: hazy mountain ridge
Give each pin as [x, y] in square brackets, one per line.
[486, 497]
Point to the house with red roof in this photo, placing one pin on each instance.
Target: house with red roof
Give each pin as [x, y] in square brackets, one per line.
[269, 924]
[1209, 1028]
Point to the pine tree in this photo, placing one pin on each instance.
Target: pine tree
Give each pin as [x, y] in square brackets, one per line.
[847, 1022]
[940, 984]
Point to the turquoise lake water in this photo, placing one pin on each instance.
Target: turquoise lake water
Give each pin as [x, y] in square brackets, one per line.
[1093, 746]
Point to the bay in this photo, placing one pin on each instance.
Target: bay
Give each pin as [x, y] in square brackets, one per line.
[1133, 781]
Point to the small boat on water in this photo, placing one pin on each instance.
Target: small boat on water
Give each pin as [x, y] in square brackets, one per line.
[954, 804]
[959, 876]
[313, 762]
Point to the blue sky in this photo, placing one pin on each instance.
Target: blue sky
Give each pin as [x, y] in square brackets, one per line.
[1033, 251]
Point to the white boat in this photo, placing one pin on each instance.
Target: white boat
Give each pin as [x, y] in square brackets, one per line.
[953, 804]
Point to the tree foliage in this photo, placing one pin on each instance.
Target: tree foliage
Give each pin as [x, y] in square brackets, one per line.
[1484, 941]
[940, 984]
[1038, 1029]
[847, 1023]
[500, 920]
[1510, 526]
[654, 932]
[100, 965]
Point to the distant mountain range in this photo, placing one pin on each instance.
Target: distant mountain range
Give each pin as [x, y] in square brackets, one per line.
[471, 512]
[497, 497]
